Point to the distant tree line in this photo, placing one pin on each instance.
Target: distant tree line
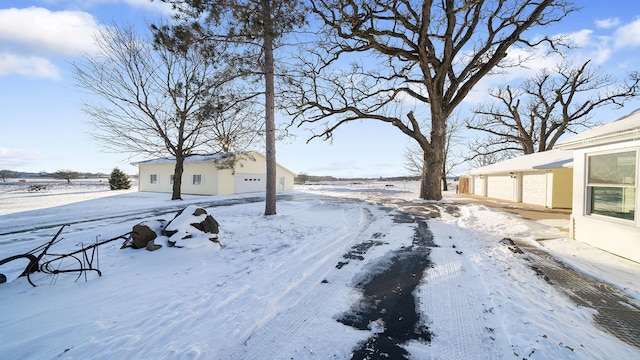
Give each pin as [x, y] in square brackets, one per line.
[60, 174]
[64, 174]
[304, 178]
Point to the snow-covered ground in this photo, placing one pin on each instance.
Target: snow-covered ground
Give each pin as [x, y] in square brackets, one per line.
[278, 284]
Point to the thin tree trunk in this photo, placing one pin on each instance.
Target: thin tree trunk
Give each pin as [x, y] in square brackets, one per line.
[270, 126]
[177, 178]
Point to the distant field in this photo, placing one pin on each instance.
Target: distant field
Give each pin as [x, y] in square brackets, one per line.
[21, 195]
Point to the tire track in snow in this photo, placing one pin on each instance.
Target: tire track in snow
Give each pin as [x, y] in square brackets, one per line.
[316, 293]
[453, 283]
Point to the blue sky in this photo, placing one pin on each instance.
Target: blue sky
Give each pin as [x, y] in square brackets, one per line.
[44, 129]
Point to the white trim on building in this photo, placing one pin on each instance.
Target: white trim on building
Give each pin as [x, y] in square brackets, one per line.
[606, 180]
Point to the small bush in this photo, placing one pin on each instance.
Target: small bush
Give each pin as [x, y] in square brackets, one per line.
[118, 180]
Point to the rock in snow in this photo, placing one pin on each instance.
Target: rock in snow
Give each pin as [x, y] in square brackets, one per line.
[191, 223]
[144, 234]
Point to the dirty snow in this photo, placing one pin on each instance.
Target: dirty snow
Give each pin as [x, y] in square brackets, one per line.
[274, 290]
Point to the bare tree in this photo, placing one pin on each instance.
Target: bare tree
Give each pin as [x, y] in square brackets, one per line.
[482, 155]
[4, 174]
[66, 175]
[257, 26]
[414, 154]
[427, 52]
[157, 97]
[532, 117]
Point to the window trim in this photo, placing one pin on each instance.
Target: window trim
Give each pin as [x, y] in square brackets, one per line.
[588, 187]
[200, 182]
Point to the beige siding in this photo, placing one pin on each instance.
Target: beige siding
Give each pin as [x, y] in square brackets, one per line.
[213, 180]
[226, 182]
[209, 179]
[562, 189]
[285, 178]
[163, 173]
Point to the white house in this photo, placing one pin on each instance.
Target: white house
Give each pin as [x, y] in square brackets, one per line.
[203, 175]
[543, 179]
[605, 182]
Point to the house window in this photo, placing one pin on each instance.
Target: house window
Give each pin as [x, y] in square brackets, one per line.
[153, 179]
[611, 184]
[171, 179]
[197, 179]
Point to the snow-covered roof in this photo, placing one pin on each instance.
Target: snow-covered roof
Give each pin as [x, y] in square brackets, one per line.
[189, 159]
[547, 160]
[626, 128]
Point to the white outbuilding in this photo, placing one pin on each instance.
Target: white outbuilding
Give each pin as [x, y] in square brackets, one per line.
[605, 186]
[543, 179]
[208, 175]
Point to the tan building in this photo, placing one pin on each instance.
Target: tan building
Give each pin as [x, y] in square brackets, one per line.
[544, 179]
[203, 175]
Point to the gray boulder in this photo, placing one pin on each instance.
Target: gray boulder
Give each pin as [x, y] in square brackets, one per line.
[144, 234]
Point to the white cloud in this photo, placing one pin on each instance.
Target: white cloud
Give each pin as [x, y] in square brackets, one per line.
[580, 38]
[628, 35]
[29, 66]
[17, 157]
[41, 31]
[607, 23]
[157, 6]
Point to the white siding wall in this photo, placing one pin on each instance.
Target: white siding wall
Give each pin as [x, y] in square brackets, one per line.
[620, 237]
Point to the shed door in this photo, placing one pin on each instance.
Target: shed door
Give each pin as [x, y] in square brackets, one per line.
[478, 186]
[245, 183]
[501, 187]
[534, 188]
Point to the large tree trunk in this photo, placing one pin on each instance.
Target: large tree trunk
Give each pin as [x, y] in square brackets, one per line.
[177, 178]
[270, 124]
[432, 169]
[431, 181]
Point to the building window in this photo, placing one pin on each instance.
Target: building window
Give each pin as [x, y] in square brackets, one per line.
[153, 178]
[171, 179]
[197, 179]
[611, 184]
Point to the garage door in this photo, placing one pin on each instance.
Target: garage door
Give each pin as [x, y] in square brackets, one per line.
[534, 189]
[501, 187]
[245, 183]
